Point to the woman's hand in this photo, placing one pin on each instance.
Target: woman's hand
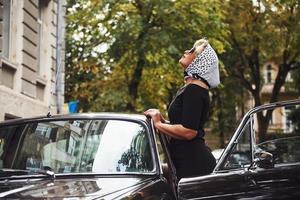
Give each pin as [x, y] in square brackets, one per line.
[176, 131]
[154, 114]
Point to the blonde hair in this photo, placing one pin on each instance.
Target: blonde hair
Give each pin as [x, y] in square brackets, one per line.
[199, 44]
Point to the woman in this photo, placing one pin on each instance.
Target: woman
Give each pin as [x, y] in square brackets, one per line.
[188, 112]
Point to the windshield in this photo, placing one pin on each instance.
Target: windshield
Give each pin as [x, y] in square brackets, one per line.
[76, 146]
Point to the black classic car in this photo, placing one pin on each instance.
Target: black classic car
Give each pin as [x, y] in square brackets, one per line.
[121, 156]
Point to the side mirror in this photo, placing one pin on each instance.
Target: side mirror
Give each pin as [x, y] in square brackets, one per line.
[264, 160]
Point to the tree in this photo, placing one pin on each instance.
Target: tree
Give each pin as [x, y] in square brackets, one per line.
[122, 55]
[262, 31]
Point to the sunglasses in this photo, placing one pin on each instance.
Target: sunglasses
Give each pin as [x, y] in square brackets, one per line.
[192, 50]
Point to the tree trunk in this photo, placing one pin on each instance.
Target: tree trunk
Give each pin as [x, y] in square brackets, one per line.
[221, 120]
[222, 139]
[137, 74]
[134, 84]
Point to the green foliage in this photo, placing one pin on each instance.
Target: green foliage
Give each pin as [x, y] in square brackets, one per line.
[261, 32]
[123, 55]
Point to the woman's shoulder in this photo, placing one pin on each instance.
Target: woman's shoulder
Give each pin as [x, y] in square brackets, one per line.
[195, 92]
[191, 87]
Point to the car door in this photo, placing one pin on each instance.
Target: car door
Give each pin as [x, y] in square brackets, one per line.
[278, 177]
[231, 178]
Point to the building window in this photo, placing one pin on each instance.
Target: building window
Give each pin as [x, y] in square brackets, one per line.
[288, 124]
[289, 78]
[6, 28]
[271, 122]
[8, 74]
[40, 90]
[42, 35]
[269, 74]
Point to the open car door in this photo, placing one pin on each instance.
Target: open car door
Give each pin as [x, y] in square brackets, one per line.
[253, 166]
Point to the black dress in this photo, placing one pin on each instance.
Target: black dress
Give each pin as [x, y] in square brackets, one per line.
[190, 109]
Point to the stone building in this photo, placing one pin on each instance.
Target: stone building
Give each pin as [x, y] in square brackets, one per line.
[32, 57]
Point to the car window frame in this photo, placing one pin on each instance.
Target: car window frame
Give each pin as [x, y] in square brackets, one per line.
[229, 150]
[163, 141]
[149, 133]
[11, 137]
[158, 160]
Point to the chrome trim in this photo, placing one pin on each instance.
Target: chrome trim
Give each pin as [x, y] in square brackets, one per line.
[252, 138]
[273, 105]
[100, 115]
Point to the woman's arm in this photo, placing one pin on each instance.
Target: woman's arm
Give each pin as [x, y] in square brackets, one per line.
[176, 131]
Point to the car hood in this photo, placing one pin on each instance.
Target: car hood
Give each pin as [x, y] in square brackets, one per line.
[88, 188]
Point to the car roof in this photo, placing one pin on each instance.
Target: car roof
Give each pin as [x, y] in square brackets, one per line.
[95, 115]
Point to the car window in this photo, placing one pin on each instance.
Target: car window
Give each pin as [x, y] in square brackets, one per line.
[161, 151]
[72, 146]
[8, 144]
[284, 150]
[281, 136]
[240, 155]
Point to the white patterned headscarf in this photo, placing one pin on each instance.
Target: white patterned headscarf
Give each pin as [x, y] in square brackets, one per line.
[205, 67]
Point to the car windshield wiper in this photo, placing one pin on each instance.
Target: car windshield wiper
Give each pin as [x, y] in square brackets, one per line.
[19, 173]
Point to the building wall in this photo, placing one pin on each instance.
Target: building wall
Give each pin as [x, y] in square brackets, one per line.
[28, 71]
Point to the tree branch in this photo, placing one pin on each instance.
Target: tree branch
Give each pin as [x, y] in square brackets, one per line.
[297, 54]
[241, 53]
[243, 80]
